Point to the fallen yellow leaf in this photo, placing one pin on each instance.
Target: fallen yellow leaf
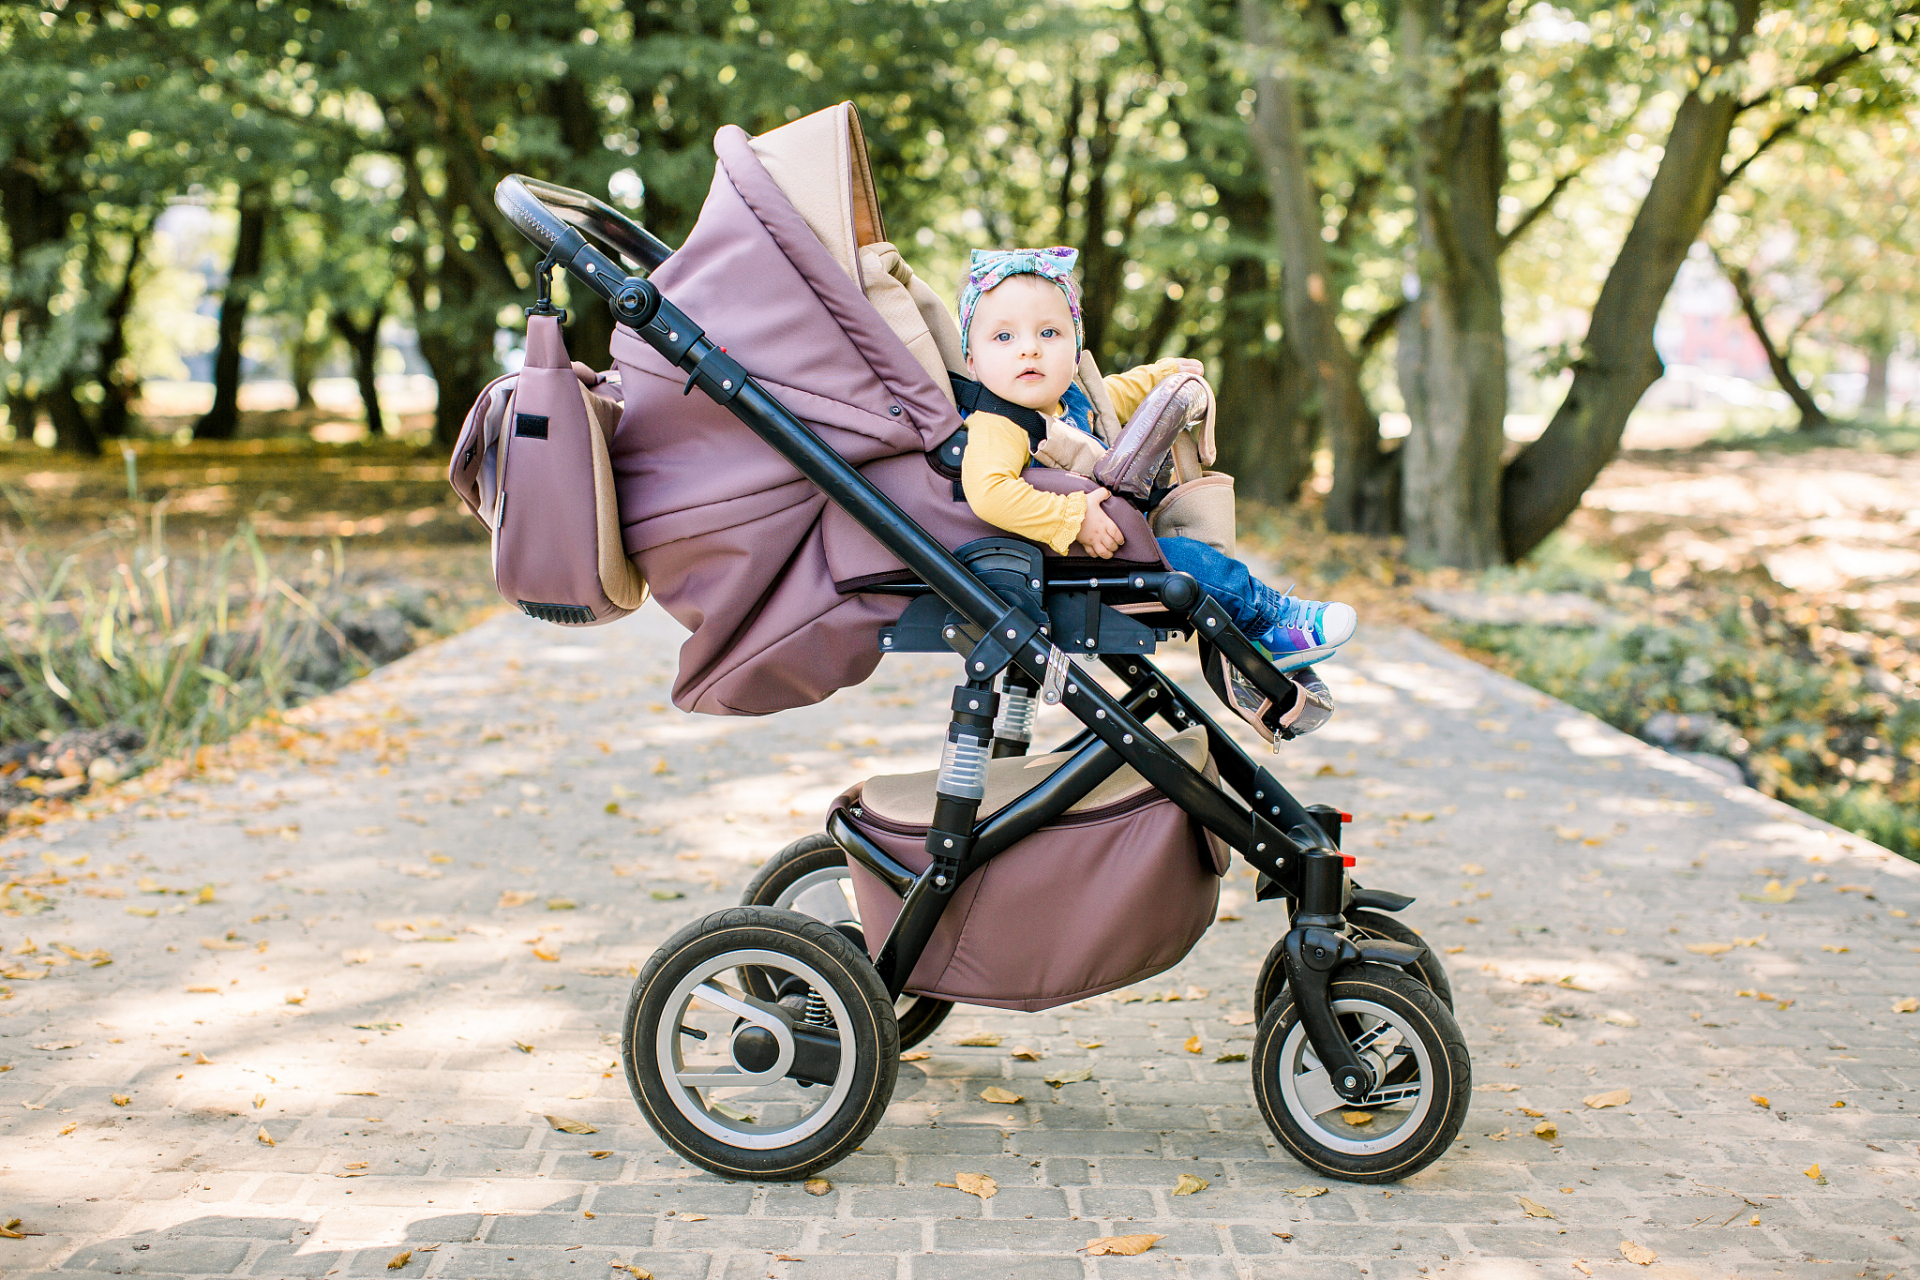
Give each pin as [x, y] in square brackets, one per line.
[1611, 1098]
[1121, 1246]
[994, 1093]
[1709, 948]
[1910, 1004]
[1193, 1044]
[74, 1124]
[1775, 892]
[816, 1186]
[1638, 1254]
[1546, 1131]
[1060, 1078]
[565, 1125]
[1535, 1210]
[1760, 1100]
[1357, 1118]
[264, 1138]
[638, 1273]
[400, 1260]
[200, 1059]
[546, 953]
[523, 1046]
[259, 1101]
[915, 1055]
[1306, 1193]
[980, 1041]
[1025, 1054]
[1816, 1175]
[1189, 1185]
[122, 1099]
[357, 1164]
[974, 1184]
[515, 898]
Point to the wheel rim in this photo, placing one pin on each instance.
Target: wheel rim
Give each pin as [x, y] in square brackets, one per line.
[827, 894]
[1386, 1040]
[768, 1110]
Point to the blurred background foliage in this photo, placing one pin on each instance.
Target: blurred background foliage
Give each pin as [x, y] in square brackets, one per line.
[1391, 228]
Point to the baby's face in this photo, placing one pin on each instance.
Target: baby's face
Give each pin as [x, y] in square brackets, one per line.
[1021, 345]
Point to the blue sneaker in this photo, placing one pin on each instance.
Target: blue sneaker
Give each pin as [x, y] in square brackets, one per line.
[1308, 630]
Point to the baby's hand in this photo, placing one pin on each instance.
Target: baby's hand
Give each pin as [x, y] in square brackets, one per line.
[1193, 367]
[1098, 533]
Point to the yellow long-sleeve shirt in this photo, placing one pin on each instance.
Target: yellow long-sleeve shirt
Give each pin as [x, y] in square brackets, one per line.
[998, 451]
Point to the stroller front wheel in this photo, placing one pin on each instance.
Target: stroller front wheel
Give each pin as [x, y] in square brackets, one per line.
[750, 1087]
[1367, 924]
[1416, 1050]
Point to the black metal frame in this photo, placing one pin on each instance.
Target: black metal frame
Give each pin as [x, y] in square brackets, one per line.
[1001, 626]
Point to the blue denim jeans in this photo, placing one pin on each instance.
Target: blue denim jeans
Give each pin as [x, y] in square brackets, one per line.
[1252, 604]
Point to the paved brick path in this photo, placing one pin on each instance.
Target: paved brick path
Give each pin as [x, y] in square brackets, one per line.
[363, 991]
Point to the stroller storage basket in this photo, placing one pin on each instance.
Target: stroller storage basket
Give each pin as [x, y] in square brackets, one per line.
[1142, 878]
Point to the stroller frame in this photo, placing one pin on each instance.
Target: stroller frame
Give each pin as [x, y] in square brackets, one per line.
[999, 609]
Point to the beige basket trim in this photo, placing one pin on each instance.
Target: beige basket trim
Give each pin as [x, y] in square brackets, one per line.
[907, 798]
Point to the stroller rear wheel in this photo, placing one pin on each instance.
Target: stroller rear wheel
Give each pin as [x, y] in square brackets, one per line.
[810, 876]
[1416, 1050]
[1370, 924]
[751, 1087]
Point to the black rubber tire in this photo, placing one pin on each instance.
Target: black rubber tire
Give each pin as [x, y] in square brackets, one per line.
[1273, 971]
[917, 1016]
[873, 1038]
[1446, 1048]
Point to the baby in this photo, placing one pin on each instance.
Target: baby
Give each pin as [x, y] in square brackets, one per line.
[1021, 335]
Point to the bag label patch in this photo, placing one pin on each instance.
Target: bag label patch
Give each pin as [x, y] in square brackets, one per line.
[530, 424]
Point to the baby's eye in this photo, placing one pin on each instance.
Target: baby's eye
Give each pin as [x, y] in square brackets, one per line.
[1003, 336]
[1049, 332]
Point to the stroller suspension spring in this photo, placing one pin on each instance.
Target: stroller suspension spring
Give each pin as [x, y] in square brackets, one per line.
[1016, 717]
[963, 766]
[817, 1014]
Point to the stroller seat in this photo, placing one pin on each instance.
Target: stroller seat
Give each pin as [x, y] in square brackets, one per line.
[783, 593]
[1144, 879]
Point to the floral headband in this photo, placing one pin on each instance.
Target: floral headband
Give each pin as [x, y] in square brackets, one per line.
[991, 266]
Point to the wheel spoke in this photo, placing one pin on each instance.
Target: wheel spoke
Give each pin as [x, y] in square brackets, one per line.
[1316, 1092]
[1393, 1093]
[1366, 1038]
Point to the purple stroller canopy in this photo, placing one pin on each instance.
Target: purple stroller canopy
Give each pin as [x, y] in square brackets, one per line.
[736, 545]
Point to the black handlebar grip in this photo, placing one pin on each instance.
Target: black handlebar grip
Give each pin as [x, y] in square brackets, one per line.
[533, 219]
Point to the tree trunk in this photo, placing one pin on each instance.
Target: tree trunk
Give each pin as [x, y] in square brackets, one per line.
[364, 342]
[1543, 484]
[120, 383]
[1873, 401]
[222, 422]
[72, 429]
[1455, 375]
[1100, 262]
[1261, 433]
[460, 373]
[1812, 418]
[1361, 480]
[302, 361]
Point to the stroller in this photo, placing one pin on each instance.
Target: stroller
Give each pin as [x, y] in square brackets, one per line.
[801, 517]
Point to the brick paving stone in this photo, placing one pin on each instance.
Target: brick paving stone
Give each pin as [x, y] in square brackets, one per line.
[397, 1027]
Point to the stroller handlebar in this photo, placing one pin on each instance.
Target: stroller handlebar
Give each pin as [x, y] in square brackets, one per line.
[561, 219]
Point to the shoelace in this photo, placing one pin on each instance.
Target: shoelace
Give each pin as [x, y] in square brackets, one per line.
[1301, 615]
